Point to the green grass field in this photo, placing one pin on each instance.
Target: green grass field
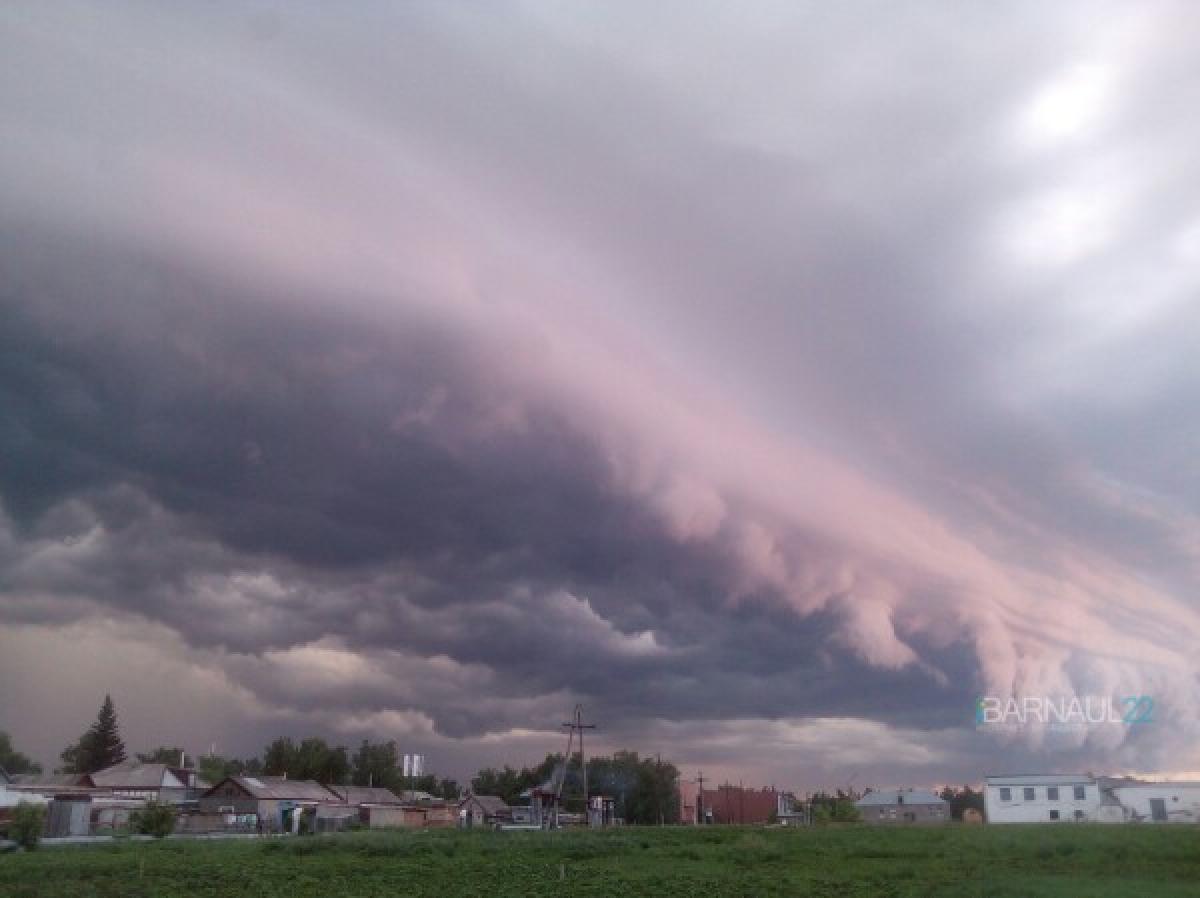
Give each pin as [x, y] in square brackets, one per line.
[713, 861]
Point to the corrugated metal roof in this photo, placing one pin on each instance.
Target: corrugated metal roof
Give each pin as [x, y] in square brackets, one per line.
[137, 776]
[491, 804]
[365, 794]
[893, 796]
[281, 788]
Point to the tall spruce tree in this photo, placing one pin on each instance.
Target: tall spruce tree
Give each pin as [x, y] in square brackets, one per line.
[105, 737]
[100, 746]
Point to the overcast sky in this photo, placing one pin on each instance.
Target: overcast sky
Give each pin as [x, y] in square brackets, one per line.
[772, 379]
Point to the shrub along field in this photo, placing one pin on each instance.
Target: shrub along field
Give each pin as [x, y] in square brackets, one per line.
[668, 861]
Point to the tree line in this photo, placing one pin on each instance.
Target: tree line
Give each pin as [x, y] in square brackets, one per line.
[643, 788]
[373, 764]
[961, 800]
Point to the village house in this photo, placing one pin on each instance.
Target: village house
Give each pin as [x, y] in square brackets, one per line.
[483, 810]
[159, 782]
[1128, 800]
[903, 806]
[378, 808]
[50, 784]
[275, 803]
[1041, 798]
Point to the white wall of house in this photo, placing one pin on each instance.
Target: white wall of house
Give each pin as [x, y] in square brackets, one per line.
[1160, 802]
[1046, 798]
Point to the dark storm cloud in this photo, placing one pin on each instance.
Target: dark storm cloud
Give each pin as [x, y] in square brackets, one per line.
[750, 368]
[202, 443]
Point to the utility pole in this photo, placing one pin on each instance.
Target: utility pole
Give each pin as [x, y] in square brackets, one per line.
[657, 779]
[574, 725]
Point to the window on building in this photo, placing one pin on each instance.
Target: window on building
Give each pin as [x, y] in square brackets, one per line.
[1030, 795]
[1054, 815]
[1052, 793]
[1080, 793]
[1079, 815]
[1005, 793]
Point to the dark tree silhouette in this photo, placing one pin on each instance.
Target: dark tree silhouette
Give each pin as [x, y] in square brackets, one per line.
[99, 747]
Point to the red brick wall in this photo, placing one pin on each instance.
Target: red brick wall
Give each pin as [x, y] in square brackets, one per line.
[733, 805]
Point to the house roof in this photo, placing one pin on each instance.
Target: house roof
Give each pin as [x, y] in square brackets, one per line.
[365, 794]
[491, 804]
[49, 780]
[280, 787]
[893, 796]
[1040, 779]
[1110, 783]
[417, 796]
[137, 776]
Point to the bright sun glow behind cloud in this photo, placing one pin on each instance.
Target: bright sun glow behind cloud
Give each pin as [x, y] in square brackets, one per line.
[1069, 106]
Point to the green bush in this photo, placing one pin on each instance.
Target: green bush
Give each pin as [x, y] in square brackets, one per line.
[156, 818]
[841, 811]
[28, 823]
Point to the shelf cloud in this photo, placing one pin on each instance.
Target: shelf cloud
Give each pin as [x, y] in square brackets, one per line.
[774, 382]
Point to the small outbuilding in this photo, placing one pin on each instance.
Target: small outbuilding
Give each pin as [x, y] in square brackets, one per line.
[483, 810]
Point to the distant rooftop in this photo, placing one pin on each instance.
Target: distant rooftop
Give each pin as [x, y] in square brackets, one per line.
[365, 795]
[1039, 779]
[491, 804]
[132, 775]
[280, 787]
[894, 796]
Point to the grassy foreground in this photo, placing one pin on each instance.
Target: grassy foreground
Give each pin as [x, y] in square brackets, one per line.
[713, 861]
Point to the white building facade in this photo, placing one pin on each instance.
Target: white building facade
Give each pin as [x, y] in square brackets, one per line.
[1042, 798]
[1137, 802]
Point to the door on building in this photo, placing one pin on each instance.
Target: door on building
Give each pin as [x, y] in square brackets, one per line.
[1158, 809]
